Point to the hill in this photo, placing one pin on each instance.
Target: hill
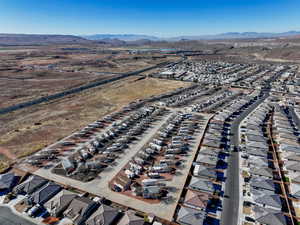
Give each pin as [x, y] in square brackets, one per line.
[39, 39]
[237, 35]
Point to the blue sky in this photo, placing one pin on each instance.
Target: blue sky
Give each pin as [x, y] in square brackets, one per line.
[163, 18]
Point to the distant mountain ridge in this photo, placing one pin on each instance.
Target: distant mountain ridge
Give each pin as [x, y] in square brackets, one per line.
[229, 35]
[122, 37]
[128, 39]
[40, 39]
[238, 35]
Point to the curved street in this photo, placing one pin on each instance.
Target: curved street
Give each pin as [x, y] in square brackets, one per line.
[230, 215]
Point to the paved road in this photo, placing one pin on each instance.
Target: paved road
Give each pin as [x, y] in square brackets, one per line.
[230, 212]
[7, 217]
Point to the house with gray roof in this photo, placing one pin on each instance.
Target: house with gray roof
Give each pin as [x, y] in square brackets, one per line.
[257, 152]
[262, 171]
[203, 171]
[252, 127]
[295, 190]
[59, 203]
[189, 216]
[267, 199]
[289, 148]
[269, 216]
[131, 219]
[80, 209]
[296, 178]
[293, 157]
[216, 137]
[29, 186]
[207, 160]
[7, 181]
[257, 161]
[262, 183]
[254, 132]
[255, 138]
[212, 143]
[202, 184]
[45, 193]
[254, 144]
[104, 215]
[292, 166]
[208, 151]
[287, 136]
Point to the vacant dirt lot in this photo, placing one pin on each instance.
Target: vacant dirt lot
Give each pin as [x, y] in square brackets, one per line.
[26, 74]
[25, 86]
[28, 130]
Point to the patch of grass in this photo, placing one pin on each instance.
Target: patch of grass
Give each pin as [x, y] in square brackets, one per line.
[3, 166]
[247, 210]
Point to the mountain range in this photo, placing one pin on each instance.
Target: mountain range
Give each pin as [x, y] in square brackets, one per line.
[128, 39]
[229, 35]
[39, 39]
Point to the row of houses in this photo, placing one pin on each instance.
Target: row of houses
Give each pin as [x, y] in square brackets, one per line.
[213, 100]
[263, 198]
[205, 192]
[47, 201]
[161, 157]
[101, 151]
[286, 132]
[206, 72]
[203, 201]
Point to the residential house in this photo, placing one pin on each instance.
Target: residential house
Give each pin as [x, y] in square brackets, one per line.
[104, 215]
[131, 219]
[207, 160]
[203, 171]
[7, 182]
[262, 171]
[45, 193]
[267, 199]
[203, 185]
[189, 216]
[59, 203]
[197, 200]
[266, 216]
[80, 209]
[29, 186]
[262, 183]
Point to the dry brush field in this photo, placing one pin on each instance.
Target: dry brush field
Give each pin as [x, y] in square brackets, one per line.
[28, 130]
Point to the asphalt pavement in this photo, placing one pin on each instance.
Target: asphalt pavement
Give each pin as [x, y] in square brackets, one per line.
[231, 202]
[7, 217]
